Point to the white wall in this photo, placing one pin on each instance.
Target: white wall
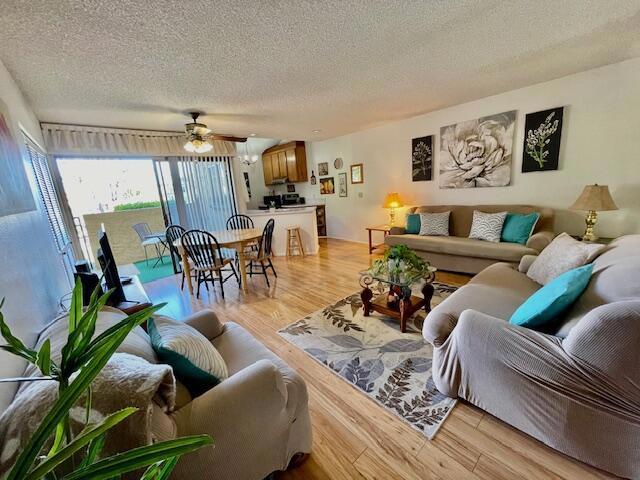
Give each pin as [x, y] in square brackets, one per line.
[32, 278]
[599, 145]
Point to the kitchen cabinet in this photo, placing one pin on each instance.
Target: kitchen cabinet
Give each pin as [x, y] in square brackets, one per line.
[285, 163]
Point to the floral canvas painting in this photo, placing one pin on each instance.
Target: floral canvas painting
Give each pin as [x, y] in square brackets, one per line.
[542, 131]
[477, 153]
[421, 158]
[15, 193]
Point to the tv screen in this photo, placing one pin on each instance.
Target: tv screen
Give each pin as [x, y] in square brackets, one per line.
[109, 269]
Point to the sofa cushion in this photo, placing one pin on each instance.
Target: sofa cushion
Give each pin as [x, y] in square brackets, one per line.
[518, 228]
[498, 290]
[413, 223]
[462, 215]
[487, 226]
[466, 247]
[564, 253]
[553, 299]
[615, 278]
[195, 361]
[434, 224]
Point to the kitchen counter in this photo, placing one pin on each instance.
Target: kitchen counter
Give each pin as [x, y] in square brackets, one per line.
[300, 216]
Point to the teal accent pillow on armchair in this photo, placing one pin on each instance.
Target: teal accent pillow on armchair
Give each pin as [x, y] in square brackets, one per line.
[553, 299]
[517, 228]
[413, 223]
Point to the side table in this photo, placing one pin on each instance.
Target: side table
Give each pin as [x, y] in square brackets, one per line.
[377, 228]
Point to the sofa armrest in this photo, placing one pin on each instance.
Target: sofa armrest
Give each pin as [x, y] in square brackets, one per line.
[525, 263]
[206, 322]
[605, 341]
[539, 241]
[397, 231]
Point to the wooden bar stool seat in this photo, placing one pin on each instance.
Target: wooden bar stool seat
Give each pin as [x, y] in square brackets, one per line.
[294, 241]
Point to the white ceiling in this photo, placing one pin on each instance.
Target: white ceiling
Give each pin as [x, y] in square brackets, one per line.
[284, 68]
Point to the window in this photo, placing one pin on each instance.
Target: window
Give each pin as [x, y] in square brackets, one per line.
[52, 208]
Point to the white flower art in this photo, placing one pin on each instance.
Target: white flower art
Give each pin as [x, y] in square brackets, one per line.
[477, 153]
[538, 139]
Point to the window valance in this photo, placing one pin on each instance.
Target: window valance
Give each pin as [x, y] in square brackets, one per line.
[85, 140]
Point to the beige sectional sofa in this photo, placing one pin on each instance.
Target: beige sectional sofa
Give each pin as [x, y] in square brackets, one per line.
[575, 387]
[258, 416]
[458, 253]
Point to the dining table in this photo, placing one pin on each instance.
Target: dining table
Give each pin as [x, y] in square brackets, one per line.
[237, 240]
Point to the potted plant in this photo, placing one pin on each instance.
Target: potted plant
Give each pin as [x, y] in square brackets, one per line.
[75, 457]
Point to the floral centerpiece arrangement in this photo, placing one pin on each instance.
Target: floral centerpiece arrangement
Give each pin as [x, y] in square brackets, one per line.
[400, 263]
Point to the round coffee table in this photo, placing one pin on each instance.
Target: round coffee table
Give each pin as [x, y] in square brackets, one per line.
[397, 302]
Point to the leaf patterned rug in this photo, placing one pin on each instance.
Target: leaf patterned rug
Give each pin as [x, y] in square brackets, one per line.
[392, 368]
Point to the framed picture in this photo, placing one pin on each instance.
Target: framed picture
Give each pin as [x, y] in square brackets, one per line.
[338, 163]
[323, 168]
[421, 158]
[327, 186]
[15, 192]
[542, 131]
[477, 153]
[342, 184]
[291, 188]
[357, 174]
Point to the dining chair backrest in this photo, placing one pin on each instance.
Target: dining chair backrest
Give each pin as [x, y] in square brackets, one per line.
[266, 239]
[143, 230]
[173, 233]
[239, 221]
[202, 248]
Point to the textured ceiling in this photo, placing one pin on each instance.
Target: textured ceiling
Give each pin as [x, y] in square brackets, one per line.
[284, 68]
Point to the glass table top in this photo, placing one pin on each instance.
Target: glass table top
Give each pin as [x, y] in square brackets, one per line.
[401, 279]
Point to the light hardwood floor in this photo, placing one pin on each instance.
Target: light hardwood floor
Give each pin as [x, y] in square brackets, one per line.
[354, 438]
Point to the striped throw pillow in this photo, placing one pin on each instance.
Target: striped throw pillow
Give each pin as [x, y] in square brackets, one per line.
[195, 361]
[487, 226]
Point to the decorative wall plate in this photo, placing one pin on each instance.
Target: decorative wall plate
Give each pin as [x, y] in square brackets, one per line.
[338, 163]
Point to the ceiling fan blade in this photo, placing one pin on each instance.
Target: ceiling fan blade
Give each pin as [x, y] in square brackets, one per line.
[228, 138]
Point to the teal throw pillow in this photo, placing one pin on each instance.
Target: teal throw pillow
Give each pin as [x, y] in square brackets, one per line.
[195, 361]
[518, 228]
[553, 299]
[413, 223]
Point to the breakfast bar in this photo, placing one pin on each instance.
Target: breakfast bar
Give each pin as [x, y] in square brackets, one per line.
[302, 217]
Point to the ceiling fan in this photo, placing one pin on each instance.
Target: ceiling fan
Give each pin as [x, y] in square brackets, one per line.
[199, 136]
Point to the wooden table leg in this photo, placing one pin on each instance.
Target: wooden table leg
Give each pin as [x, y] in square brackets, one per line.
[370, 244]
[242, 261]
[187, 270]
[366, 297]
[427, 293]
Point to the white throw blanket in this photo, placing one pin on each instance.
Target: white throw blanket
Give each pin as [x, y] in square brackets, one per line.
[126, 381]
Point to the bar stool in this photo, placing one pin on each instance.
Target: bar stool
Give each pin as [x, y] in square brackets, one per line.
[294, 241]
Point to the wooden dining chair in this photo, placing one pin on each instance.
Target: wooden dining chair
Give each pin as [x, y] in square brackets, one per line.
[239, 222]
[172, 235]
[203, 250]
[263, 255]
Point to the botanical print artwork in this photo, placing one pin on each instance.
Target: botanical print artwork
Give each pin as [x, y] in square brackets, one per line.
[392, 368]
[15, 193]
[541, 149]
[477, 153]
[323, 168]
[421, 158]
[342, 184]
[327, 186]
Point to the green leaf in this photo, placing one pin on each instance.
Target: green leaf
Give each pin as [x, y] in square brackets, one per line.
[160, 470]
[58, 440]
[75, 310]
[44, 358]
[66, 400]
[79, 442]
[139, 457]
[95, 447]
[19, 348]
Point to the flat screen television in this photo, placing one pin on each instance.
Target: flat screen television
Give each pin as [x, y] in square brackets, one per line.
[109, 269]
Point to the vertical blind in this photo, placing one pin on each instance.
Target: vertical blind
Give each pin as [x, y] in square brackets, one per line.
[48, 194]
[208, 191]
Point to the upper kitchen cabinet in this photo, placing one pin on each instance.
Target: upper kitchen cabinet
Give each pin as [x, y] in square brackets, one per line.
[285, 163]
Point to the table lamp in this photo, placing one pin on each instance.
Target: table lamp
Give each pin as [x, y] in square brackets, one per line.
[594, 198]
[392, 201]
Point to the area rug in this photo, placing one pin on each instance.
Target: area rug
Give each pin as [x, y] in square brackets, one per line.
[371, 354]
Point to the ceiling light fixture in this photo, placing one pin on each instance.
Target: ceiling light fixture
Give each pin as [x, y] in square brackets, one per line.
[252, 134]
[196, 132]
[197, 145]
[316, 131]
[246, 158]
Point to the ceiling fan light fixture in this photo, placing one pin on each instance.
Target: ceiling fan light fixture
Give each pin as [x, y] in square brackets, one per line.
[197, 145]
